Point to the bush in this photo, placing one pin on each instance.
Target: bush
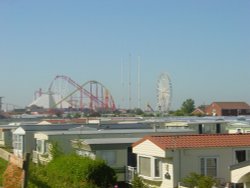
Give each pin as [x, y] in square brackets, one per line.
[137, 182]
[197, 180]
[75, 172]
[3, 166]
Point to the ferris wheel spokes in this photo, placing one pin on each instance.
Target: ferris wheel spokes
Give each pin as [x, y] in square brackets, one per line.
[164, 93]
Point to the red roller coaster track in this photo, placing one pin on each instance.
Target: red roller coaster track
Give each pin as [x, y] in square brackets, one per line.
[98, 95]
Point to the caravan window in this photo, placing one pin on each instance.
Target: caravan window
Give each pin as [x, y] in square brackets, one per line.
[242, 155]
[208, 166]
[149, 166]
[18, 142]
[108, 155]
[144, 166]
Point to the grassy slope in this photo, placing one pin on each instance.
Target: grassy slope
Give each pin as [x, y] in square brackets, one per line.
[3, 166]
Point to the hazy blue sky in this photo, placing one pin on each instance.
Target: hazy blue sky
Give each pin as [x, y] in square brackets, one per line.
[204, 46]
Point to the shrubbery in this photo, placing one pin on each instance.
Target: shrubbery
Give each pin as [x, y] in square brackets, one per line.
[197, 180]
[72, 171]
[3, 166]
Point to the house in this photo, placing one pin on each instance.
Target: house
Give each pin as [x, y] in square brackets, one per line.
[239, 126]
[228, 109]
[198, 112]
[200, 126]
[112, 145]
[165, 160]
[209, 126]
[6, 135]
[87, 131]
[117, 152]
[65, 121]
[23, 137]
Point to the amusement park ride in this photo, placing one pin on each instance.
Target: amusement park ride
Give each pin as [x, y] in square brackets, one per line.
[63, 92]
[66, 94]
[164, 93]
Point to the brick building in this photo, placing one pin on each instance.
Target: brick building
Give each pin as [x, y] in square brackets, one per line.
[228, 109]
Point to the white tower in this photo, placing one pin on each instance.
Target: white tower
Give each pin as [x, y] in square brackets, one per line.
[139, 83]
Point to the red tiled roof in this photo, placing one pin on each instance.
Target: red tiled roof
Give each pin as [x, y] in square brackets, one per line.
[233, 105]
[198, 141]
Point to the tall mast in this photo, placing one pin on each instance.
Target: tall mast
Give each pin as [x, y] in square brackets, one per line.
[129, 82]
[122, 83]
[1, 103]
[139, 83]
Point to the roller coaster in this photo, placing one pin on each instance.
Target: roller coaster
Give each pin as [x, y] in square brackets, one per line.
[64, 92]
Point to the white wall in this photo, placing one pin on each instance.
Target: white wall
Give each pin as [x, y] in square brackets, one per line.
[191, 161]
[185, 161]
[167, 167]
[150, 149]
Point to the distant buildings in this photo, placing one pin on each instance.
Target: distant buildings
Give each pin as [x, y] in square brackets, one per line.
[228, 109]
[223, 109]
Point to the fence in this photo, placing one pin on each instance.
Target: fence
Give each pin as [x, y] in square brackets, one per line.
[20, 163]
[130, 173]
[4, 154]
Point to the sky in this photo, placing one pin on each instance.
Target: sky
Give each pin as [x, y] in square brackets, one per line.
[204, 47]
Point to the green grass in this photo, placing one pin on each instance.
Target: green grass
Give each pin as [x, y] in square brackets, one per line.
[3, 166]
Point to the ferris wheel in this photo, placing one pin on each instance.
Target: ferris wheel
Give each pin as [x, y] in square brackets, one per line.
[164, 93]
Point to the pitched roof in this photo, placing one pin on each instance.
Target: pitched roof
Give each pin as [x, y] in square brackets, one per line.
[198, 141]
[233, 105]
[198, 111]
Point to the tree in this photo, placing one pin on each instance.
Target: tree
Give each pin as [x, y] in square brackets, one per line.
[77, 115]
[55, 150]
[137, 182]
[197, 180]
[178, 113]
[188, 106]
[73, 171]
[138, 111]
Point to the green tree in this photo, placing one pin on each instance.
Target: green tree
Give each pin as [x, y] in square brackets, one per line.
[73, 171]
[197, 180]
[77, 115]
[188, 106]
[117, 112]
[137, 182]
[178, 113]
[37, 176]
[94, 114]
[69, 116]
[55, 150]
[138, 111]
